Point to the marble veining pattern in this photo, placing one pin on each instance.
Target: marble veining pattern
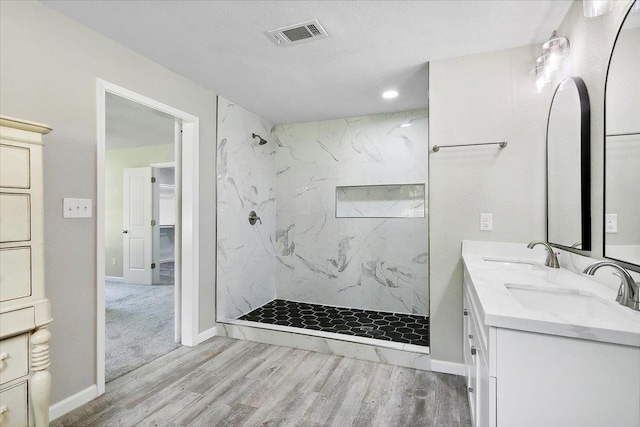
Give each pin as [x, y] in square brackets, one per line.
[368, 263]
[521, 267]
[381, 201]
[398, 355]
[245, 182]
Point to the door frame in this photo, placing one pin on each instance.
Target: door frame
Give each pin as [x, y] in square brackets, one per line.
[177, 286]
[187, 162]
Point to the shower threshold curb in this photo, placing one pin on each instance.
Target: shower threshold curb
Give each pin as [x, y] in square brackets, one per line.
[372, 350]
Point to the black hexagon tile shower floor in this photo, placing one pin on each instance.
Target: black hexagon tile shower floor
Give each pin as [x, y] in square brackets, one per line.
[396, 327]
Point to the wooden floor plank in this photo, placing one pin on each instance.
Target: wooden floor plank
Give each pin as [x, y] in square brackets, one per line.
[399, 398]
[226, 382]
[237, 416]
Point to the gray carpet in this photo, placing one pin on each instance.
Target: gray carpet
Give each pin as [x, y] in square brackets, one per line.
[139, 324]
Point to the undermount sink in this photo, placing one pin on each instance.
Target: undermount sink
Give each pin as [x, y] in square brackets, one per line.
[514, 264]
[566, 302]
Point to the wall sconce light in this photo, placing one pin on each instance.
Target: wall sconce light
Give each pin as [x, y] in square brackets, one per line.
[595, 8]
[554, 52]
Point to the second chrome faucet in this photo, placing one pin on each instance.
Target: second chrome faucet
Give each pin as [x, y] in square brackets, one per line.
[629, 291]
[552, 259]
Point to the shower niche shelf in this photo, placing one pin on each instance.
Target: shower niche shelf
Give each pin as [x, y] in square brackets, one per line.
[381, 201]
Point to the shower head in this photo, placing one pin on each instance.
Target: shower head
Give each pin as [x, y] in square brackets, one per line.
[261, 141]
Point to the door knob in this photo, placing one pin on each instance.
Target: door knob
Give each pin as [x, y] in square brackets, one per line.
[125, 231]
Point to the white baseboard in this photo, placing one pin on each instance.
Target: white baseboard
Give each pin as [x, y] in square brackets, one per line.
[73, 402]
[209, 333]
[447, 367]
[114, 278]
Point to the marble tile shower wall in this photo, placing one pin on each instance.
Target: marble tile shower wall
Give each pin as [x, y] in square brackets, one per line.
[367, 263]
[245, 182]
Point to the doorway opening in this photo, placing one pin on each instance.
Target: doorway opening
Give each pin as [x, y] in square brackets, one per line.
[140, 212]
[147, 221]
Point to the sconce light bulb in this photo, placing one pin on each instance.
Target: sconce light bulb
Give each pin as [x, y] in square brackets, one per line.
[595, 8]
[540, 83]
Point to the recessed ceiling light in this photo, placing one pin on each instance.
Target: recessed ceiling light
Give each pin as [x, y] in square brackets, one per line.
[405, 125]
[389, 94]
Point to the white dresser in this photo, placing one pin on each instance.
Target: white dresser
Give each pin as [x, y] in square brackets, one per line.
[25, 313]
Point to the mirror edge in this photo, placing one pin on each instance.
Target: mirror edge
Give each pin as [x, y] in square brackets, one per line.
[625, 264]
[585, 165]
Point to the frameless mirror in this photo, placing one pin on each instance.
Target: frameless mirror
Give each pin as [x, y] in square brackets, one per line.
[568, 177]
[622, 145]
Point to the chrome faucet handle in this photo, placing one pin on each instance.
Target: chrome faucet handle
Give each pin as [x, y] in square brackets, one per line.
[629, 290]
[253, 217]
[552, 259]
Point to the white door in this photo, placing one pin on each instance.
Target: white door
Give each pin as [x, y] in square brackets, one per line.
[136, 226]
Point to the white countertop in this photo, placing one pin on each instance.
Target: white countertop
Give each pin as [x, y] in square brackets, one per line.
[501, 309]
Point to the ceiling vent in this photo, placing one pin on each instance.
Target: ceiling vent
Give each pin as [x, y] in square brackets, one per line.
[298, 33]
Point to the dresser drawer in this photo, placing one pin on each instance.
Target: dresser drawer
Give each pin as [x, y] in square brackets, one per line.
[15, 273]
[14, 167]
[17, 321]
[15, 217]
[13, 406]
[14, 358]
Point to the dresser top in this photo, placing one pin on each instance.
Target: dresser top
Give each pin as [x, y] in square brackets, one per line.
[27, 125]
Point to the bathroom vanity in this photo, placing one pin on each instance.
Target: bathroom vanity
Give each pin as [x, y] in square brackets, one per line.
[545, 346]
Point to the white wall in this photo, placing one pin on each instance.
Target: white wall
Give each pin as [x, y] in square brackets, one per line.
[481, 98]
[369, 263]
[246, 182]
[48, 69]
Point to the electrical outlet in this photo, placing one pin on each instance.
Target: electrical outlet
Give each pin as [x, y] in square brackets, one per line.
[114, 261]
[486, 222]
[76, 208]
[611, 223]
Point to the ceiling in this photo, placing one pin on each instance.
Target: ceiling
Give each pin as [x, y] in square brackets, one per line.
[372, 46]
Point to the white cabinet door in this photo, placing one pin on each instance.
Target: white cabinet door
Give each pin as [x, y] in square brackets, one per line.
[482, 389]
[137, 229]
[547, 380]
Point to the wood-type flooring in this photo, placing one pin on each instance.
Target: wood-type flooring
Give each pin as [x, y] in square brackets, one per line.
[227, 382]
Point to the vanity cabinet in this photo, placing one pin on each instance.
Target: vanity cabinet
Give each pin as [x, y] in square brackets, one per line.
[520, 378]
[481, 387]
[25, 312]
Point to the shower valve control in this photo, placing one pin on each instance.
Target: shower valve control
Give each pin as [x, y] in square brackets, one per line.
[253, 217]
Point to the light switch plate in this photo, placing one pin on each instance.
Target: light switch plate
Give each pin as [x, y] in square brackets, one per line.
[486, 222]
[76, 208]
[611, 223]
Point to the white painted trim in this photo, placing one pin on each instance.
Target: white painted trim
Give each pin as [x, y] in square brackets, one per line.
[73, 402]
[163, 165]
[190, 232]
[101, 110]
[190, 219]
[114, 278]
[208, 334]
[447, 367]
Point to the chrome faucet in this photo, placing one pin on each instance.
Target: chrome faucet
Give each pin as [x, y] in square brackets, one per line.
[552, 259]
[629, 292]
